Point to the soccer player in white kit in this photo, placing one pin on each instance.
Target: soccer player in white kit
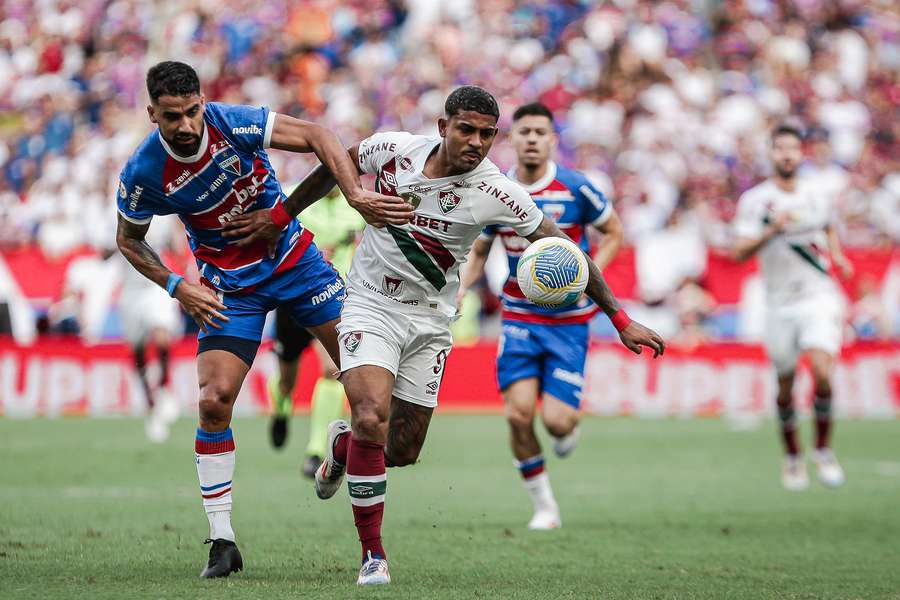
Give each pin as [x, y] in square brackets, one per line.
[787, 221]
[395, 324]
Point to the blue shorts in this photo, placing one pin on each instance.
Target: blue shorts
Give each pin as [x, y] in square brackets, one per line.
[554, 354]
[311, 291]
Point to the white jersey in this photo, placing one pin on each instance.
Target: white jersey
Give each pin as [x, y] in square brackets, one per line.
[417, 264]
[794, 264]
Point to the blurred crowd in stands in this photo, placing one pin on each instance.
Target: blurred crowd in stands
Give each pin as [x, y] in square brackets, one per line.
[666, 104]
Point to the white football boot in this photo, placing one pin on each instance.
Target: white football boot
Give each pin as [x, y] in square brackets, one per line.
[828, 468]
[374, 571]
[793, 474]
[545, 519]
[156, 429]
[330, 473]
[564, 446]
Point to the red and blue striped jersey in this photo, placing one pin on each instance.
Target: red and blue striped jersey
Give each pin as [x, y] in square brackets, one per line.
[230, 175]
[570, 199]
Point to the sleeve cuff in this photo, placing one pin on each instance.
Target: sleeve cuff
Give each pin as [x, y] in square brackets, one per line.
[603, 218]
[270, 125]
[135, 220]
[535, 228]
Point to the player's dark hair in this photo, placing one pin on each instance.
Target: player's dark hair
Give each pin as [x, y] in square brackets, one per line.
[787, 129]
[533, 109]
[474, 98]
[171, 78]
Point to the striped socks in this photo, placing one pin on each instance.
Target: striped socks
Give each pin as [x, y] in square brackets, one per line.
[367, 483]
[214, 453]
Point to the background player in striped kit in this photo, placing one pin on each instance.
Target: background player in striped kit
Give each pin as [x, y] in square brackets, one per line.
[543, 350]
[787, 220]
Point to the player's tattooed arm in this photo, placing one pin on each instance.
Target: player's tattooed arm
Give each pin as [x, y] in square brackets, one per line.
[634, 335]
[130, 238]
[199, 302]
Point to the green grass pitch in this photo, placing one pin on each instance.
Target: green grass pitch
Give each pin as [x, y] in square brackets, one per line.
[651, 509]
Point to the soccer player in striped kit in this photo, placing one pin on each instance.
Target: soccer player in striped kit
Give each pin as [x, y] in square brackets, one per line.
[787, 221]
[207, 163]
[543, 350]
[395, 324]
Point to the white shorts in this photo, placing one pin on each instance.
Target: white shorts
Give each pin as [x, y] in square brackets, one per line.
[410, 342]
[145, 310]
[814, 323]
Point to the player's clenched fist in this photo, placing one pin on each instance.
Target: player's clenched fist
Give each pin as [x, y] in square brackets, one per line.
[636, 335]
[379, 210]
[201, 304]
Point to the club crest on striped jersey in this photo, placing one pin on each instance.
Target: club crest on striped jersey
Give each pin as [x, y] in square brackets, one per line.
[352, 341]
[391, 285]
[448, 201]
[229, 161]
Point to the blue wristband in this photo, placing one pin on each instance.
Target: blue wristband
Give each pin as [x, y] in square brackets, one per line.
[172, 283]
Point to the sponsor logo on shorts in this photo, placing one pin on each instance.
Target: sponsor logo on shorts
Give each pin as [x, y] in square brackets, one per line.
[448, 201]
[122, 191]
[519, 333]
[391, 285]
[431, 388]
[352, 341]
[333, 288]
[568, 376]
[439, 362]
[405, 163]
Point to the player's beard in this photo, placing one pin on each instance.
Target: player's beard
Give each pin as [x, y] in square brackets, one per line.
[786, 172]
[185, 148]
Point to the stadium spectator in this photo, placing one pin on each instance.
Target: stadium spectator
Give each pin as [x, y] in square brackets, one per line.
[669, 102]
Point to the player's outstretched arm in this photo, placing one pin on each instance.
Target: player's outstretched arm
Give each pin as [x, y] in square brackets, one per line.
[198, 301]
[377, 209]
[633, 334]
[296, 135]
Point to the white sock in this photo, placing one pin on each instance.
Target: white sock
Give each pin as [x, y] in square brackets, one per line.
[537, 482]
[541, 492]
[215, 468]
[220, 525]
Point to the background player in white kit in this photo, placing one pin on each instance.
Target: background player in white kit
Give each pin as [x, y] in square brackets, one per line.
[394, 332]
[787, 220]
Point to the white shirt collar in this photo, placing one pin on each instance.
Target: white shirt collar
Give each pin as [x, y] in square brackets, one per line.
[204, 142]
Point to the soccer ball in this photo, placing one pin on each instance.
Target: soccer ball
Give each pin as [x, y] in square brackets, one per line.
[552, 272]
